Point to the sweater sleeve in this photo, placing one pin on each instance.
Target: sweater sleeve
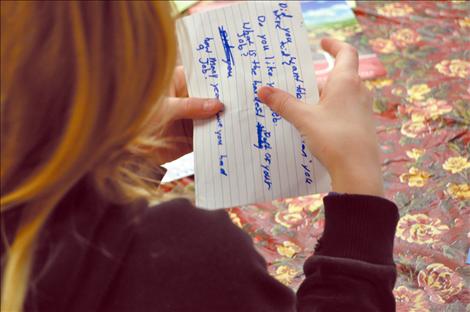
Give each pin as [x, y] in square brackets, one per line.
[186, 259]
[352, 268]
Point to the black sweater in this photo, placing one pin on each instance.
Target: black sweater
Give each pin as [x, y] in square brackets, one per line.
[95, 256]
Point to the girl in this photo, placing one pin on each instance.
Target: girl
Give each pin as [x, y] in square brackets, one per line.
[90, 107]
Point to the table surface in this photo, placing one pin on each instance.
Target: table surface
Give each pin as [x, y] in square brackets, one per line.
[422, 108]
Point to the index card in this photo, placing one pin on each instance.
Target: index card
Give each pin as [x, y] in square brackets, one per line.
[248, 153]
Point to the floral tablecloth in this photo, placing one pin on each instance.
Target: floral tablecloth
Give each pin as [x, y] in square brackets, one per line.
[422, 108]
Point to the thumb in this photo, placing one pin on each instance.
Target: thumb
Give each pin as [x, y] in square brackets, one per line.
[283, 103]
[192, 108]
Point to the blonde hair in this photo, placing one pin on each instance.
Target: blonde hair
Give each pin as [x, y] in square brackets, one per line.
[79, 81]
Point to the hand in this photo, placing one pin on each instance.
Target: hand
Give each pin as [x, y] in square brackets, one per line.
[180, 111]
[340, 129]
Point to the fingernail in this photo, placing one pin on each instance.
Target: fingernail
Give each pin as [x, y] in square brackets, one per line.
[211, 104]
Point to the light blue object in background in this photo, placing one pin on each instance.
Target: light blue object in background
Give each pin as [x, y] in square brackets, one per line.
[468, 257]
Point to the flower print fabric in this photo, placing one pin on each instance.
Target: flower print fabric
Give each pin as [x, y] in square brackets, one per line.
[422, 109]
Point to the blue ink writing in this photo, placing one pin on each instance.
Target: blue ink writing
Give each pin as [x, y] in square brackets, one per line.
[229, 60]
[208, 67]
[304, 153]
[222, 164]
[307, 174]
[215, 88]
[267, 176]
[244, 38]
[263, 136]
[205, 45]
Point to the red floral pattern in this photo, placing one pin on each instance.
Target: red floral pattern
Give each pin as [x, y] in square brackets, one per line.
[423, 110]
[424, 117]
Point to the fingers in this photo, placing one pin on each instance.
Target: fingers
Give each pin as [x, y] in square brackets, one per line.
[346, 57]
[320, 87]
[179, 106]
[179, 86]
[284, 104]
[192, 108]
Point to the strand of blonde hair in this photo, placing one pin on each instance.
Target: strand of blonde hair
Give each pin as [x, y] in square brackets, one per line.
[20, 254]
[40, 192]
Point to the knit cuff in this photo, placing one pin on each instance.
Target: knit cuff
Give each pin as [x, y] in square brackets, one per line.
[359, 227]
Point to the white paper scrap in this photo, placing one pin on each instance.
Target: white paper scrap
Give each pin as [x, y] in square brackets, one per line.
[249, 154]
[179, 168]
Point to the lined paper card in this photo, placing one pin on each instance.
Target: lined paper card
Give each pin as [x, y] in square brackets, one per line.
[249, 154]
